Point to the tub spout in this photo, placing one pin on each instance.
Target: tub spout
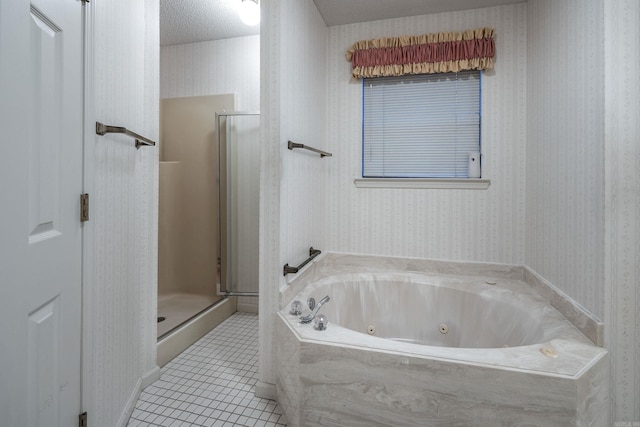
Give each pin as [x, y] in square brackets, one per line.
[309, 317]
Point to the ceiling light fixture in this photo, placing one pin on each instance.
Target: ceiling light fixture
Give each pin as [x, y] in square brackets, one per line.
[249, 12]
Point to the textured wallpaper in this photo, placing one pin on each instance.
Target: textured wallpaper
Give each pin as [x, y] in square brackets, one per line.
[148, 187]
[303, 110]
[622, 204]
[565, 137]
[292, 193]
[473, 225]
[213, 68]
[269, 271]
[124, 207]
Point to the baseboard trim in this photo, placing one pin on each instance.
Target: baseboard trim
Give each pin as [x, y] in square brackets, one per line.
[247, 308]
[131, 404]
[151, 376]
[265, 390]
[146, 380]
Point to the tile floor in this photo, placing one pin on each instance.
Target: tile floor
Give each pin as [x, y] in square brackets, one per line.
[211, 383]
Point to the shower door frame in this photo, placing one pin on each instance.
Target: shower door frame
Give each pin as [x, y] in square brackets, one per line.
[224, 270]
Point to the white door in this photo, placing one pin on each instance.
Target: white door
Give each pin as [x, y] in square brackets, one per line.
[41, 108]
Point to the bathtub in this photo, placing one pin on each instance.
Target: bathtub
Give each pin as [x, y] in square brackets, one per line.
[427, 348]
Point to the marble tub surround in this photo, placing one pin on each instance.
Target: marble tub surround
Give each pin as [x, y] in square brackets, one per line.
[332, 385]
[340, 377]
[541, 323]
[334, 263]
[586, 322]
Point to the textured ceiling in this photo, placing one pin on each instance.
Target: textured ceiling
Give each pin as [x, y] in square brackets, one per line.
[189, 21]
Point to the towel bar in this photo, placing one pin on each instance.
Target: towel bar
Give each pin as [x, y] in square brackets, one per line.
[291, 145]
[312, 254]
[140, 140]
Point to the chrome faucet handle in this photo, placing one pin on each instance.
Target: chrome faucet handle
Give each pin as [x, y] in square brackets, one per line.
[320, 322]
[324, 300]
[296, 308]
[308, 318]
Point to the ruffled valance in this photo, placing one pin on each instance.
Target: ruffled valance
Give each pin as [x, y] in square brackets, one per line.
[424, 54]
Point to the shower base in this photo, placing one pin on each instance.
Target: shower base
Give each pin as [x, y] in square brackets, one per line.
[177, 308]
[181, 328]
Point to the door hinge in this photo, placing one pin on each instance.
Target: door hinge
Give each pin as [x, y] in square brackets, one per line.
[82, 419]
[84, 207]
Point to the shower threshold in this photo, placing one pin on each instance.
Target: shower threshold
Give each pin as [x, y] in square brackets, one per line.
[178, 308]
[178, 338]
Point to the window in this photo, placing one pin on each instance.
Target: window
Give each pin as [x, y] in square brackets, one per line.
[420, 126]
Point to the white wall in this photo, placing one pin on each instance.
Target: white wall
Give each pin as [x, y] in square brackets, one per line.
[565, 143]
[293, 106]
[303, 120]
[123, 188]
[583, 152]
[213, 68]
[622, 204]
[445, 224]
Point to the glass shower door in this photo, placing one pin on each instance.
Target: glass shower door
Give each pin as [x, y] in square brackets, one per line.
[239, 192]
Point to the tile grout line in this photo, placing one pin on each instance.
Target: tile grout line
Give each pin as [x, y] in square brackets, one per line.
[211, 383]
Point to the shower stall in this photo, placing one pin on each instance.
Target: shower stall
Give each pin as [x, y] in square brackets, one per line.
[208, 217]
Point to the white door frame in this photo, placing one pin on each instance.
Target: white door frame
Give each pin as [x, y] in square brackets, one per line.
[88, 392]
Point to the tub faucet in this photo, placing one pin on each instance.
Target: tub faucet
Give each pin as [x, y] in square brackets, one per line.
[309, 317]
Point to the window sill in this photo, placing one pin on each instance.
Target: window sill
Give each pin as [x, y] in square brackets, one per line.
[433, 183]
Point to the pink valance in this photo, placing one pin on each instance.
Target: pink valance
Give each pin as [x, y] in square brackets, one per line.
[424, 54]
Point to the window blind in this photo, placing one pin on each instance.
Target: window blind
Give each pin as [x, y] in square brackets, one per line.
[420, 126]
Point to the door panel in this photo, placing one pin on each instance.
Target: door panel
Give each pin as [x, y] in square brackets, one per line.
[239, 146]
[43, 364]
[44, 141]
[41, 112]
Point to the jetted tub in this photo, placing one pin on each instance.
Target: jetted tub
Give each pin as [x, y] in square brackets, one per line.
[420, 349]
